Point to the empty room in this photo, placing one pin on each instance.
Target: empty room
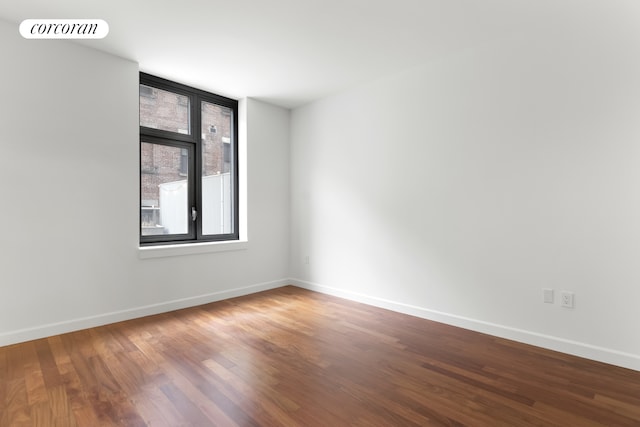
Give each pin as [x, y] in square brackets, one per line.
[320, 213]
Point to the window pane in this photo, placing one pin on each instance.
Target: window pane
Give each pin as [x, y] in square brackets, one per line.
[217, 203]
[164, 190]
[160, 109]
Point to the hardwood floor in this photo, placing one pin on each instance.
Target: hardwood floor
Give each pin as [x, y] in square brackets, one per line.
[291, 357]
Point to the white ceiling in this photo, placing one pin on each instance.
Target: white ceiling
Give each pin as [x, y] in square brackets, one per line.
[290, 52]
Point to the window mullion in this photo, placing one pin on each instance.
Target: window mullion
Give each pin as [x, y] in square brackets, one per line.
[192, 179]
[197, 133]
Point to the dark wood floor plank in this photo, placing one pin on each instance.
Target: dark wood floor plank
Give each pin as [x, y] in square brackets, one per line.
[194, 407]
[156, 409]
[291, 357]
[85, 416]
[42, 415]
[47, 363]
[16, 410]
[263, 408]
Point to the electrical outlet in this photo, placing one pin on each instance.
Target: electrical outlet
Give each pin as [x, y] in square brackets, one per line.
[566, 299]
[306, 260]
[547, 295]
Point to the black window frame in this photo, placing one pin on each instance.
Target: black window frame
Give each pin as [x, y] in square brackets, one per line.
[193, 143]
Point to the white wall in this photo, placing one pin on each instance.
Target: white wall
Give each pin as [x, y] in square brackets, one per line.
[69, 210]
[458, 190]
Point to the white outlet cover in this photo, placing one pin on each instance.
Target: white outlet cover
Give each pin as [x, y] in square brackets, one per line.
[566, 299]
[547, 295]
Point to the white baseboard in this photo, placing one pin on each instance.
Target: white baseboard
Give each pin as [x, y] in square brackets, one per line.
[587, 351]
[42, 331]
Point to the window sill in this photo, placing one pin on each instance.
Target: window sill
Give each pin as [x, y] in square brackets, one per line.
[146, 252]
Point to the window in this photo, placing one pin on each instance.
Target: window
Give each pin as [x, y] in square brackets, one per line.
[188, 164]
